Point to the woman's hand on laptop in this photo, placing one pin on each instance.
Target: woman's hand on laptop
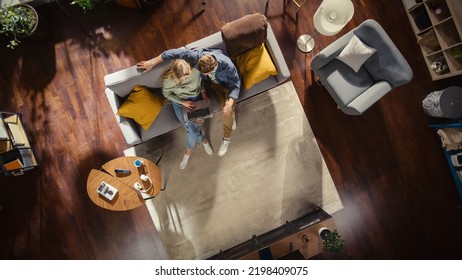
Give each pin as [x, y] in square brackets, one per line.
[189, 104]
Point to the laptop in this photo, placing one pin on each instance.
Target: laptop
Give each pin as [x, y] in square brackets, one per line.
[203, 110]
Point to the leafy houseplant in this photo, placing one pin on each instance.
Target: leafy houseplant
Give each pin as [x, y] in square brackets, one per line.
[18, 21]
[332, 241]
[86, 5]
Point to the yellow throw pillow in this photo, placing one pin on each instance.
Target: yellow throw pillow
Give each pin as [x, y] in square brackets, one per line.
[142, 106]
[255, 65]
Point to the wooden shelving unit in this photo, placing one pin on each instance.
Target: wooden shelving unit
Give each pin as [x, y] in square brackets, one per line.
[298, 235]
[16, 155]
[438, 34]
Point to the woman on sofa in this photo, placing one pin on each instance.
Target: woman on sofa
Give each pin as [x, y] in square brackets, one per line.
[182, 86]
[216, 69]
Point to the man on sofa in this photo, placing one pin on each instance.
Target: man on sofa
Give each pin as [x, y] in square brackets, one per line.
[221, 76]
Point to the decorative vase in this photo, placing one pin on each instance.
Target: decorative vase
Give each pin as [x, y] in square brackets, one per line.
[440, 65]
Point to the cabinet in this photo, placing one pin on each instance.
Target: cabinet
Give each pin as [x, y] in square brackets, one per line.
[456, 171]
[437, 25]
[300, 235]
[16, 155]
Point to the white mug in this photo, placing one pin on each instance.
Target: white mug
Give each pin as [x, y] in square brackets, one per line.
[138, 186]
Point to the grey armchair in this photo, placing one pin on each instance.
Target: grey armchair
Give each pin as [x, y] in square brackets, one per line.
[355, 92]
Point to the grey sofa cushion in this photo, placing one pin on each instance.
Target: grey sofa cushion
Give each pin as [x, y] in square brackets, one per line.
[340, 78]
[165, 122]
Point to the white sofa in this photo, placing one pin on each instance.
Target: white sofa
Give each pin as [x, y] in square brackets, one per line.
[120, 84]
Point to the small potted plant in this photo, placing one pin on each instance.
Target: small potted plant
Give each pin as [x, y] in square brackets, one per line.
[17, 22]
[456, 52]
[332, 241]
[87, 5]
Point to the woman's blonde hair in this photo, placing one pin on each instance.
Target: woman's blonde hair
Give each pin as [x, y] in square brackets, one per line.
[179, 69]
[207, 63]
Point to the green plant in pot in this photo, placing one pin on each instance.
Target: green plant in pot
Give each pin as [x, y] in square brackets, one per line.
[332, 241]
[17, 22]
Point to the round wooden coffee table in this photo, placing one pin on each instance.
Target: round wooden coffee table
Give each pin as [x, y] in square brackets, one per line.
[127, 197]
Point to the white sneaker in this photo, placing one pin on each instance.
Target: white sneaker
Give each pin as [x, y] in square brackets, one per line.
[234, 124]
[184, 162]
[208, 148]
[223, 148]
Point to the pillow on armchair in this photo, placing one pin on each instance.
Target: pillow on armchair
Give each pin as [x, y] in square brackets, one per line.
[355, 53]
[245, 33]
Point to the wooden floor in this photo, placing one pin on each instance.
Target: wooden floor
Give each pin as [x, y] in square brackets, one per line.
[399, 199]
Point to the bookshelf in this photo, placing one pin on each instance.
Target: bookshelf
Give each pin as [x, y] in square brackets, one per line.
[16, 154]
[437, 25]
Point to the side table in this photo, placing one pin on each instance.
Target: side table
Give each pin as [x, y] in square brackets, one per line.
[127, 197]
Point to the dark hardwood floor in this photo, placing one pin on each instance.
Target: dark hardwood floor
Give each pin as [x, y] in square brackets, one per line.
[399, 199]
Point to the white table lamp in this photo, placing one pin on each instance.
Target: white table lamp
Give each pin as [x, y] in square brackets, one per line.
[329, 19]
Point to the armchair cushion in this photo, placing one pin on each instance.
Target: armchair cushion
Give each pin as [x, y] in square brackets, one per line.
[339, 77]
[355, 53]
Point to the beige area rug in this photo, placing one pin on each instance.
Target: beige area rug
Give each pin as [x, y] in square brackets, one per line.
[273, 173]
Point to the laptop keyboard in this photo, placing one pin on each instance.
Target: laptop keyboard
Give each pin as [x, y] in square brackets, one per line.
[198, 113]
